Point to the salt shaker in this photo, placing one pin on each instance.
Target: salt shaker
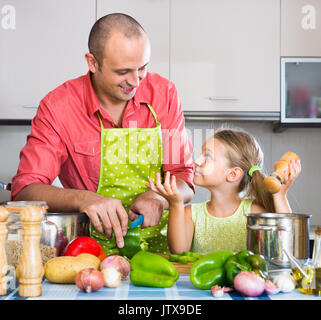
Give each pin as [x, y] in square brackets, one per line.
[30, 269]
[3, 256]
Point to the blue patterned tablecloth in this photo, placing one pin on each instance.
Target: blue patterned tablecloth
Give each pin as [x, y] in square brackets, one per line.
[183, 289]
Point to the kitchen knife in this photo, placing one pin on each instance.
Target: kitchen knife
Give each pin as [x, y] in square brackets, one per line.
[137, 222]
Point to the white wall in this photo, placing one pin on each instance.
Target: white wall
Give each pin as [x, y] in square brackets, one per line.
[304, 196]
[12, 139]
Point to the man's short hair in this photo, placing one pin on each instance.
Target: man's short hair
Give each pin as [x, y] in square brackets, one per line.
[101, 31]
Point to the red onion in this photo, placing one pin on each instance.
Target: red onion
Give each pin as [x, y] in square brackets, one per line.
[117, 262]
[89, 280]
[270, 287]
[249, 284]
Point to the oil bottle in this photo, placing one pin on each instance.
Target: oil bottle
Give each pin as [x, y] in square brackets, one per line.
[311, 282]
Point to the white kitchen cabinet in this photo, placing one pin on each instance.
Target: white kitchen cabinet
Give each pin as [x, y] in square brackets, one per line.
[153, 15]
[225, 55]
[45, 49]
[301, 28]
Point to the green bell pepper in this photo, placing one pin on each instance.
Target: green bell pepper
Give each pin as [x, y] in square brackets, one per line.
[133, 242]
[184, 257]
[245, 261]
[151, 270]
[209, 270]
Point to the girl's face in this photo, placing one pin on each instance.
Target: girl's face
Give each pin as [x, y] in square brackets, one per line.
[212, 165]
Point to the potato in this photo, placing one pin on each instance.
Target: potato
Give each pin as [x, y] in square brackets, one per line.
[91, 258]
[65, 268]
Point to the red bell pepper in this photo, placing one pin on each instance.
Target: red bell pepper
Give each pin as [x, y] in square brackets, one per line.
[85, 245]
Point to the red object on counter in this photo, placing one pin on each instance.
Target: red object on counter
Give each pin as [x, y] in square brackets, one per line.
[84, 245]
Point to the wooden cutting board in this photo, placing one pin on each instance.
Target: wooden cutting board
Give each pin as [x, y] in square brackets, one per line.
[180, 267]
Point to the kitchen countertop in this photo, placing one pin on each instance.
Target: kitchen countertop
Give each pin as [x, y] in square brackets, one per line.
[183, 289]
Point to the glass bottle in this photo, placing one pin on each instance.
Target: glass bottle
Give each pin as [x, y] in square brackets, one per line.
[311, 284]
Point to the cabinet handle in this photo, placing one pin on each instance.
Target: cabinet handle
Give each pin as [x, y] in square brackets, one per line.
[30, 106]
[222, 98]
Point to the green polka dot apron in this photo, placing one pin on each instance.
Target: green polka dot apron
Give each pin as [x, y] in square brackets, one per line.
[129, 157]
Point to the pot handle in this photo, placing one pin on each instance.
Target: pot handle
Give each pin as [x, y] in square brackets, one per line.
[257, 227]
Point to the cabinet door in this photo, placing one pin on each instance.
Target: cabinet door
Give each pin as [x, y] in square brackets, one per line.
[225, 54]
[154, 18]
[45, 49]
[300, 28]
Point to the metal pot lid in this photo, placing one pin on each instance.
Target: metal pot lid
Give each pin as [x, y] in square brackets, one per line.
[270, 215]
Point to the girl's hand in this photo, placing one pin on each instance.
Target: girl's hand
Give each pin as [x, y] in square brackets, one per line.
[168, 190]
[290, 175]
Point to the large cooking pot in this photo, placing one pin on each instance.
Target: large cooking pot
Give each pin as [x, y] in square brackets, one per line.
[70, 226]
[269, 233]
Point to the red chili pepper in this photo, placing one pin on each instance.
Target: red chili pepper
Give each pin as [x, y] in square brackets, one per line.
[84, 245]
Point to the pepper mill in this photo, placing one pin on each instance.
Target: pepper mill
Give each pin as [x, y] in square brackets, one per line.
[273, 182]
[3, 257]
[30, 269]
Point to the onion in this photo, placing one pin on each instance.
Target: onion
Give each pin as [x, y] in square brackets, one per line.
[89, 280]
[112, 277]
[249, 284]
[270, 287]
[117, 262]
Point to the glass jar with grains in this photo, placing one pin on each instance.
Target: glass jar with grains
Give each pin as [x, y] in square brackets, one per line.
[49, 232]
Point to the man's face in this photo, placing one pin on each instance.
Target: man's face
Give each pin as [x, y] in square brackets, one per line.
[124, 66]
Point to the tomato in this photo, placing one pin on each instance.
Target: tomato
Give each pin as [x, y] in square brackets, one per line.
[84, 245]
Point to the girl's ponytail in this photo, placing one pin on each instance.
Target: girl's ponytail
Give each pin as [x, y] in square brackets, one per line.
[256, 191]
[244, 151]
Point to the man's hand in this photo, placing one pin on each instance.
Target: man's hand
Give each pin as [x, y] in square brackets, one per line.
[150, 206]
[110, 211]
[98, 208]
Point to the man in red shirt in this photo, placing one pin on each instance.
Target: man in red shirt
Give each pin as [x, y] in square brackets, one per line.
[65, 134]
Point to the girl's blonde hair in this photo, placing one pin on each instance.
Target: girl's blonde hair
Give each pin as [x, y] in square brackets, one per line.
[244, 151]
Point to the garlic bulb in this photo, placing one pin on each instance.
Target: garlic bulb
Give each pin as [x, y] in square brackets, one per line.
[285, 282]
[112, 277]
